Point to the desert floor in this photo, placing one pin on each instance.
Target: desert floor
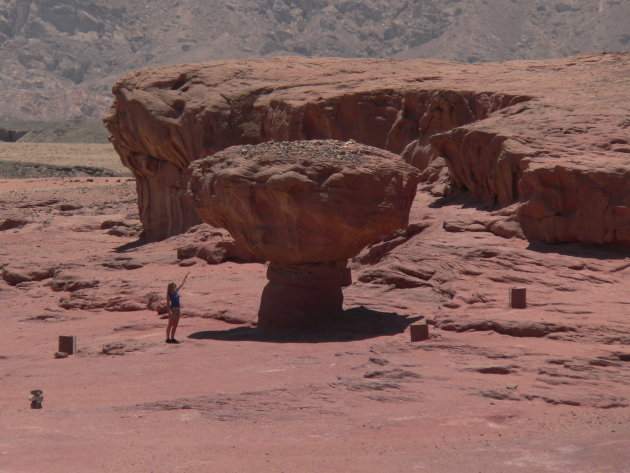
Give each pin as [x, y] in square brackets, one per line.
[21, 157]
[364, 399]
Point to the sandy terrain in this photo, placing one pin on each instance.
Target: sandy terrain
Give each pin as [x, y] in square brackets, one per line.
[65, 155]
[358, 399]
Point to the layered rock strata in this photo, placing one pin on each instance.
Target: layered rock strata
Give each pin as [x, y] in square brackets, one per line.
[551, 135]
[306, 207]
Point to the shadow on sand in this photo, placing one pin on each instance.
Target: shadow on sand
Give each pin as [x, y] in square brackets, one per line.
[131, 245]
[461, 198]
[358, 323]
[582, 250]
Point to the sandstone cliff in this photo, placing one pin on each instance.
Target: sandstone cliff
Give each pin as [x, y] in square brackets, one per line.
[552, 136]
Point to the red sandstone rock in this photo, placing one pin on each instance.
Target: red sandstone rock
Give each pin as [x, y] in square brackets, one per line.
[121, 228]
[305, 206]
[304, 202]
[11, 223]
[213, 246]
[71, 281]
[17, 274]
[548, 134]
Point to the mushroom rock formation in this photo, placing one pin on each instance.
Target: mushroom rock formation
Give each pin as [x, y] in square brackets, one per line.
[552, 136]
[306, 207]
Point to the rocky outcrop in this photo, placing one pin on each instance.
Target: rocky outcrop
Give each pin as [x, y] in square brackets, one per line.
[212, 245]
[587, 202]
[15, 275]
[306, 207]
[495, 130]
[70, 281]
[12, 223]
[160, 122]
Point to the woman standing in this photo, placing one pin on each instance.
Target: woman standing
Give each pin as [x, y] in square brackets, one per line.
[174, 309]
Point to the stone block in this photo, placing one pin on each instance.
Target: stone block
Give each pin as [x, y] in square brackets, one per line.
[36, 398]
[518, 298]
[68, 344]
[419, 332]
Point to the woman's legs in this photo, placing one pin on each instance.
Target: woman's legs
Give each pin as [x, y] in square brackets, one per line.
[168, 328]
[173, 321]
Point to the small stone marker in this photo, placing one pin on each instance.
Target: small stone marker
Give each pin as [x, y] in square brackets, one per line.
[419, 332]
[518, 298]
[68, 344]
[36, 398]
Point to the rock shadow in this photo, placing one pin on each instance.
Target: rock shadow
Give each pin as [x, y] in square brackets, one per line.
[131, 245]
[358, 323]
[581, 250]
[463, 199]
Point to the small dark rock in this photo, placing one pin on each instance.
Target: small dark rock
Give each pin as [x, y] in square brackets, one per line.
[11, 223]
[494, 370]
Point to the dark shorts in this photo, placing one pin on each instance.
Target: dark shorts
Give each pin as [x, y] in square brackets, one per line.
[175, 312]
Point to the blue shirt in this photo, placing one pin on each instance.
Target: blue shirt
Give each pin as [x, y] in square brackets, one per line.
[174, 298]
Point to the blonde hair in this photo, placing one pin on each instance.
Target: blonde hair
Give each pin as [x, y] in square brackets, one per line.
[170, 284]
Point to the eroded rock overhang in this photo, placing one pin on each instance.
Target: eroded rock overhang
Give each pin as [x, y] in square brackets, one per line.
[524, 132]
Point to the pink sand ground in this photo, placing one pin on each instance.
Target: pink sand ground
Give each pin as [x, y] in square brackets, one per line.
[374, 403]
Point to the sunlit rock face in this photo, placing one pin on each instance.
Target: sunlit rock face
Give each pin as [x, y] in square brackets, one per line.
[550, 136]
[306, 207]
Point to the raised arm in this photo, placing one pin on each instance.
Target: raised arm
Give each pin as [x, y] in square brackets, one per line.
[185, 277]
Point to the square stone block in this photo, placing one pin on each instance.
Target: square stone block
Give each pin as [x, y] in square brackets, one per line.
[419, 332]
[68, 344]
[518, 297]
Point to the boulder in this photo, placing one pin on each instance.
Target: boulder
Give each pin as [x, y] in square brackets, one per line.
[306, 201]
[214, 246]
[70, 281]
[12, 223]
[121, 228]
[14, 275]
[306, 207]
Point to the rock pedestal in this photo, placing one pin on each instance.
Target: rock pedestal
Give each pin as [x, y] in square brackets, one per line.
[302, 294]
[306, 207]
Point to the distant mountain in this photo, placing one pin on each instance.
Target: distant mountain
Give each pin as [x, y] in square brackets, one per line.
[60, 57]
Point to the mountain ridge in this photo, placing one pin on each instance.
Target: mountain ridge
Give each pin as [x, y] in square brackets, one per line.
[61, 58]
